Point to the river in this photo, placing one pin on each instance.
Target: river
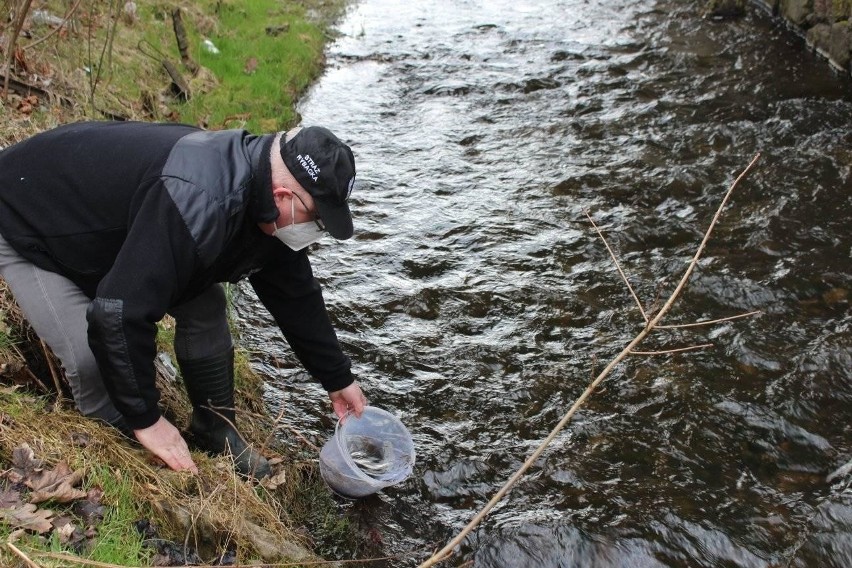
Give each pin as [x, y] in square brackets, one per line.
[477, 301]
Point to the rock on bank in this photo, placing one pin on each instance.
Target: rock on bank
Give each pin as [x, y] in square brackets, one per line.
[825, 24]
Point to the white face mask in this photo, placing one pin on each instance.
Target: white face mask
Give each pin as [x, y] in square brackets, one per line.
[297, 235]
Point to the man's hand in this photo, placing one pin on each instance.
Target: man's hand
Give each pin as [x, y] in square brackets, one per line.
[350, 398]
[165, 442]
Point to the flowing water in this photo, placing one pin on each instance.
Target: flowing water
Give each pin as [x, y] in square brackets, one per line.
[477, 302]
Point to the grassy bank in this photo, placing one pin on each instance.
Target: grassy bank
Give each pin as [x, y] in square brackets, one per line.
[213, 63]
[74, 493]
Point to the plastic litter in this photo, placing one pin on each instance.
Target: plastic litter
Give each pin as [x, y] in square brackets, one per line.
[45, 18]
[210, 47]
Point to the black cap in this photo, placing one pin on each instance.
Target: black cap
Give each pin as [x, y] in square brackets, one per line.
[325, 167]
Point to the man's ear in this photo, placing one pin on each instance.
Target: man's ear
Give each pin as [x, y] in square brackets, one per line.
[280, 192]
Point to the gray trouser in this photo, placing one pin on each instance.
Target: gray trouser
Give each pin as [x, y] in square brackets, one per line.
[56, 309]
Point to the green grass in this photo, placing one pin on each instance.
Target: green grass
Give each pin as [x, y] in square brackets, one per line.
[269, 53]
[6, 341]
[260, 73]
[118, 542]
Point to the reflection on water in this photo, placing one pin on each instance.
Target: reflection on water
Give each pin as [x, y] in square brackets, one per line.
[476, 301]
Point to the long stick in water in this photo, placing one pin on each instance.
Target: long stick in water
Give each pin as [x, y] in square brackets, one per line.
[447, 551]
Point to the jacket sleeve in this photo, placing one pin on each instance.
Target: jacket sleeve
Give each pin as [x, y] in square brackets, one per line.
[288, 289]
[153, 265]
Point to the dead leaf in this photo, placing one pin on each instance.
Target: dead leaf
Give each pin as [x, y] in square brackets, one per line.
[25, 108]
[277, 30]
[374, 537]
[95, 495]
[20, 60]
[23, 457]
[24, 462]
[68, 532]
[174, 554]
[29, 517]
[57, 484]
[90, 512]
[836, 296]
[80, 439]
[64, 528]
[10, 498]
[273, 482]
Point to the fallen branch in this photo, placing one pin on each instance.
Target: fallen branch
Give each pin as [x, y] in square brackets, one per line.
[26, 89]
[179, 86]
[447, 551]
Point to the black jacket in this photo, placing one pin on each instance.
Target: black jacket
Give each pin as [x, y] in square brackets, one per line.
[143, 217]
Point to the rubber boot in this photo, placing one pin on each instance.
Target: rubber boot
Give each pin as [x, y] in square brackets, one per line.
[210, 386]
[121, 425]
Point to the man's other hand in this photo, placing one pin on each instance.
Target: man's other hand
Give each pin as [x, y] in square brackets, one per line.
[165, 442]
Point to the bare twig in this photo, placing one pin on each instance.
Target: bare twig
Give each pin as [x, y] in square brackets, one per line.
[447, 551]
[53, 373]
[303, 439]
[678, 350]
[271, 431]
[13, 40]
[96, 71]
[215, 410]
[27, 561]
[667, 306]
[276, 425]
[709, 322]
[621, 272]
[35, 381]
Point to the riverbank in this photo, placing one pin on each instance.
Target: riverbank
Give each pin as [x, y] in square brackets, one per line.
[825, 25]
[74, 492]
